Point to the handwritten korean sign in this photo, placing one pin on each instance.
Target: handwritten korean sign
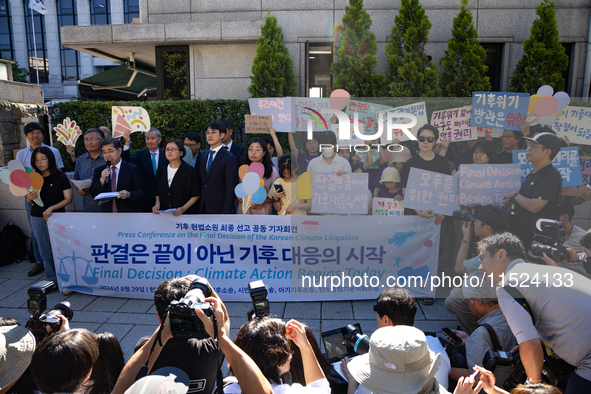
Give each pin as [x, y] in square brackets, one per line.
[257, 124]
[487, 183]
[585, 164]
[347, 193]
[417, 109]
[501, 110]
[280, 108]
[566, 161]
[427, 190]
[454, 124]
[386, 207]
[575, 123]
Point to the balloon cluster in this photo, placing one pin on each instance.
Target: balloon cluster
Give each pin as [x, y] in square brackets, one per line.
[68, 132]
[546, 107]
[21, 180]
[251, 189]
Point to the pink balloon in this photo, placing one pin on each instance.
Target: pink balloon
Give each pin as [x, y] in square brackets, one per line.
[259, 168]
[546, 106]
[20, 178]
[339, 99]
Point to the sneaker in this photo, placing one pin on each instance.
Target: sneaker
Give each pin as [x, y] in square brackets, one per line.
[67, 292]
[37, 269]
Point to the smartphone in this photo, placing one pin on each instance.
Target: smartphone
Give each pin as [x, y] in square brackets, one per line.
[279, 188]
[453, 337]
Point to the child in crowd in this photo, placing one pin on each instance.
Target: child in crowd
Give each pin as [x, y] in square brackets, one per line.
[389, 179]
[273, 146]
[304, 157]
[354, 160]
[286, 202]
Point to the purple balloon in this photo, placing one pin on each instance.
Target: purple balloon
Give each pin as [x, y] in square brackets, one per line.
[257, 167]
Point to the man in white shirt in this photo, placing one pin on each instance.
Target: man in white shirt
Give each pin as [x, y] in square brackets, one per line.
[329, 161]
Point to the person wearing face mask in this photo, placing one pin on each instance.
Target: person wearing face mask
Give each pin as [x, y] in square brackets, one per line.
[329, 161]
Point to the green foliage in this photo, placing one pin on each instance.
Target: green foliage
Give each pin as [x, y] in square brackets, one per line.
[272, 68]
[543, 58]
[411, 72]
[463, 63]
[175, 75]
[19, 74]
[356, 49]
[172, 118]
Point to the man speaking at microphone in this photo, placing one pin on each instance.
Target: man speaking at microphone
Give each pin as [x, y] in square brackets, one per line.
[117, 176]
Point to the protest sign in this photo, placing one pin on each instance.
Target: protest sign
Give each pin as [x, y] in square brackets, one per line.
[585, 165]
[282, 109]
[131, 259]
[257, 124]
[487, 183]
[454, 124]
[501, 110]
[386, 207]
[303, 107]
[132, 119]
[575, 123]
[375, 155]
[566, 161]
[484, 131]
[345, 194]
[427, 190]
[417, 109]
[68, 132]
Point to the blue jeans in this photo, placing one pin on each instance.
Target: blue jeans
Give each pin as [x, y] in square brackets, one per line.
[34, 245]
[39, 226]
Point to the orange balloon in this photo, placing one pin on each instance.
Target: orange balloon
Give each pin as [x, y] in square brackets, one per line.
[36, 180]
[243, 170]
[304, 186]
[17, 191]
[533, 101]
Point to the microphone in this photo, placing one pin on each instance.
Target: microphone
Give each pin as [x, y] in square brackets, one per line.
[108, 179]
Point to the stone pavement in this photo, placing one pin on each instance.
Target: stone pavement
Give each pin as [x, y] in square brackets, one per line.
[130, 319]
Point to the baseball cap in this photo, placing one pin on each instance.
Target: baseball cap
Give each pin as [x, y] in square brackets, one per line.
[549, 140]
[167, 380]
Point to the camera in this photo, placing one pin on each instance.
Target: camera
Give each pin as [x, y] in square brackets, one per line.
[510, 207]
[184, 322]
[551, 240]
[353, 338]
[492, 358]
[260, 302]
[37, 303]
[468, 215]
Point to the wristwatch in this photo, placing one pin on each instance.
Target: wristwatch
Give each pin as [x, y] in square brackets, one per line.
[513, 196]
[464, 242]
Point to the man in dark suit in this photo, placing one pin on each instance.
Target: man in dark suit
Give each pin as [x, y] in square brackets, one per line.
[149, 161]
[234, 148]
[217, 174]
[120, 177]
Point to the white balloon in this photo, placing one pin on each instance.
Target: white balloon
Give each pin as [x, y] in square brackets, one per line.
[14, 165]
[563, 100]
[545, 90]
[251, 182]
[547, 120]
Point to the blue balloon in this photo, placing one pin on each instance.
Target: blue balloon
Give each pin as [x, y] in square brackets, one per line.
[239, 191]
[259, 196]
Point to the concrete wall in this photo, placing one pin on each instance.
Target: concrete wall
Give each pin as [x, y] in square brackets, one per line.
[497, 21]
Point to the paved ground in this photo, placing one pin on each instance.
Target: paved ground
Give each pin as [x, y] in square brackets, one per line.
[130, 319]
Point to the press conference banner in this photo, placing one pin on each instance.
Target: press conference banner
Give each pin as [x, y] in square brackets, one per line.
[129, 255]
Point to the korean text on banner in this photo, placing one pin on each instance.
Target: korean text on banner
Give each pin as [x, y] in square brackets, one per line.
[487, 183]
[257, 124]
[575, 123]
[346, 194]
[566, 161]
[417, 109]
[282, 109]
[386, 207]
[501, 110]
[585, 165]
[454, 124]
[428, 190]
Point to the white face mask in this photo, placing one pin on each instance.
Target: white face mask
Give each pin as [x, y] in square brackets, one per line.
[327, 152]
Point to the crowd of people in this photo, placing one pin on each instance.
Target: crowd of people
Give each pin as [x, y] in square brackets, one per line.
[541, 317]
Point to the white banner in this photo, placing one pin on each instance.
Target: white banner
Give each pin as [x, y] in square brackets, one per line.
[37, 5]
[302, 257]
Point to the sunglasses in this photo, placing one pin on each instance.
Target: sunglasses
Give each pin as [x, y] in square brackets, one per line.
[422, 138]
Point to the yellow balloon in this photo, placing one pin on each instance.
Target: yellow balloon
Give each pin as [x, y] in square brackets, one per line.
[558, 114]
[262, 182]
[304, 186]
[533, 100]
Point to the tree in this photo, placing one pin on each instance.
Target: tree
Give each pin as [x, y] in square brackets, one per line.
[19, 74]
[272, 68]
[411, 71]
[543, 58]
[356, 49]
[463, 63]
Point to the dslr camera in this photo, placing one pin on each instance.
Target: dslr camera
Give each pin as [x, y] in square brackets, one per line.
[551, 240]
[184, 322]
[468, 215]
[353, 338]
[260, 302]
[37, 303]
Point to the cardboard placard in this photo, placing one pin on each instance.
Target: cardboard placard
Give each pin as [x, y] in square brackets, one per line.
[345, 194]
[428, 190]
[566, 161]
[132, 119]
[585, 164]
[417, 109]
[487, 183]
[501, 110]
[281, 109]
[257, 124]
[386, 207]
[575, 123]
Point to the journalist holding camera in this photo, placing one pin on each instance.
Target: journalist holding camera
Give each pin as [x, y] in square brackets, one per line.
[540, 193]
[542, 304]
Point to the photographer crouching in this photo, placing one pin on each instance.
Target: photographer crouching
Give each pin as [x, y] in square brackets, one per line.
[542, 303]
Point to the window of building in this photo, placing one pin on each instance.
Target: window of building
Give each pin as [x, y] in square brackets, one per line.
[5, 32]
[494, 61]
[131, 9]
[66, 16]
[99, 12]
[172, 73]
[38, 62]
[318, 61]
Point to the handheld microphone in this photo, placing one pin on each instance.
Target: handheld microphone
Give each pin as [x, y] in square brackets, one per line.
[108, 179]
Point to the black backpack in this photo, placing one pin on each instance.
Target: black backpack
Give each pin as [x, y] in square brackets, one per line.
[13, 244]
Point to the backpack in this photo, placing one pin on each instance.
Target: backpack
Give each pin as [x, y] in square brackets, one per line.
[13, 244]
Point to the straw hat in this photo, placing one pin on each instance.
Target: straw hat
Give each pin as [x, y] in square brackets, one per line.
[390, 174]
[399, 361]
[167, 380]
[400, 157]
[17, 345]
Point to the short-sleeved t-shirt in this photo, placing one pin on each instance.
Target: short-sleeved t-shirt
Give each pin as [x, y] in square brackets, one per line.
[544, 184]
[304, 160]
[385, 193]
[504, 157]
[471, 265]
[51, 193]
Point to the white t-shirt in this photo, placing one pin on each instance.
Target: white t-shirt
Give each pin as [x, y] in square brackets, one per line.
[319, 386]
[170, 173]
[319, 165]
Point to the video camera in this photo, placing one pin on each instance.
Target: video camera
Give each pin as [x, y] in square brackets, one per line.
[551, 240]
[467, 216]
[37, 303]
[184, 322]
[260, 302]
